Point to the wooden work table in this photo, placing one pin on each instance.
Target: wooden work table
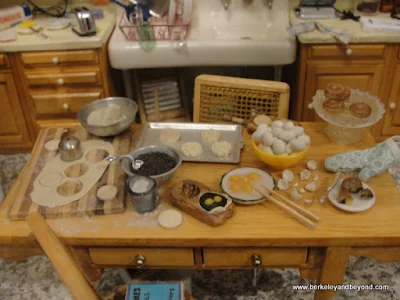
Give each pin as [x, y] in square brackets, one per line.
[259, 229]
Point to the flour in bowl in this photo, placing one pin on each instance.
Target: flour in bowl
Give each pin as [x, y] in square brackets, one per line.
[106, 116]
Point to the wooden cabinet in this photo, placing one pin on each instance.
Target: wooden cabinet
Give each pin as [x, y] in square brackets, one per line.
[14, 134]
[368, 67]
[391, 120]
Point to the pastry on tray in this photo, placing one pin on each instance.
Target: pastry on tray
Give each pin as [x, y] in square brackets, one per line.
[337, 91]
[199, 201]
[333, 106]
[360, 110]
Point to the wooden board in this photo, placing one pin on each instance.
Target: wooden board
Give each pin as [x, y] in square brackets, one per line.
[87, 205]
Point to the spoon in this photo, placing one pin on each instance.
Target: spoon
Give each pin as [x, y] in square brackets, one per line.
[136, 163]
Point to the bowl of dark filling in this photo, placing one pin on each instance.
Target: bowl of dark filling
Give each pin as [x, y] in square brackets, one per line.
[159, 163]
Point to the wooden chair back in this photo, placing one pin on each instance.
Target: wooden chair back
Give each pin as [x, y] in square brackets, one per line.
[216, 97]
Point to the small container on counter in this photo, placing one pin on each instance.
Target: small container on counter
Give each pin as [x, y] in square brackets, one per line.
[368, 7]
[142, 191]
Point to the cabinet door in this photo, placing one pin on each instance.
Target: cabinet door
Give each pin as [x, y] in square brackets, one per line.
[391, 120]
[13, 131]
[366, 77]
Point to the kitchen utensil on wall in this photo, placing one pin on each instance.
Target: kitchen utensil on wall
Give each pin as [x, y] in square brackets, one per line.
[84, 24]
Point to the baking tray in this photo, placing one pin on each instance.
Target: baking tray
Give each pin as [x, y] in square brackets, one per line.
[191, 132]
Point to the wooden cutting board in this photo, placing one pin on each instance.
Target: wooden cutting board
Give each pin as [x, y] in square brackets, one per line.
[87, 205]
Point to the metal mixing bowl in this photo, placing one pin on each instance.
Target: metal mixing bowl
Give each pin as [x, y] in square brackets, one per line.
[160, 178]
[128, 107]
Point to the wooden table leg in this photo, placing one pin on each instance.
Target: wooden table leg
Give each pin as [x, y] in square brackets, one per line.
[82, 257]
[333, 270]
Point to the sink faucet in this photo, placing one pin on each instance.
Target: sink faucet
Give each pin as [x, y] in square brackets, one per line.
[226, 3]
[268, 3]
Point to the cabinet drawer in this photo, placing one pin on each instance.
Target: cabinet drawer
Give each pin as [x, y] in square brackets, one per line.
[349, 52]
[59, 57]
[68, 77]
[3, 61]
[154, 257]
[242, 257]
[64, 104]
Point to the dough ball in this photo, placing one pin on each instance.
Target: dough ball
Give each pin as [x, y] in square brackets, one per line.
[105, 116]
[169, 136]
[52, 145]
[288, 125]
[107, 192]
[170, 218]
[277, 124]
[286, 135]
[191, 149]
[276, 131]
[266, 149]
[221, 149]
[210, 136]
[298, 130]
[267, 139]
[304, 138]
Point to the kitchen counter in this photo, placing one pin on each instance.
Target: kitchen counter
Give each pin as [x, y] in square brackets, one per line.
[358, 36]
[64, 39]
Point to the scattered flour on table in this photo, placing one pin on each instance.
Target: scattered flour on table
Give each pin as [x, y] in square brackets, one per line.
[146, 220]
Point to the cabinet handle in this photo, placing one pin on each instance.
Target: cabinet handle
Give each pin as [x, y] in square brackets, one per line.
[140, 261]
[60, 81]
[55, 60]
[256, 261]
[65, 106]
[349, 52]
[392, 106]
[311, 106]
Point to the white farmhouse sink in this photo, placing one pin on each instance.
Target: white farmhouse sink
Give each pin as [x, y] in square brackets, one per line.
[243, 35]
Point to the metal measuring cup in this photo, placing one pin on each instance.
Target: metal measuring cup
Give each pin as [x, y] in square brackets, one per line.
[146, 200]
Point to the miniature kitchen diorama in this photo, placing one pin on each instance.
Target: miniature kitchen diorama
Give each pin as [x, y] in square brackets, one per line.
[241, 157]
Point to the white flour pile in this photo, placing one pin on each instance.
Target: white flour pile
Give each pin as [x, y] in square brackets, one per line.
[106, 116]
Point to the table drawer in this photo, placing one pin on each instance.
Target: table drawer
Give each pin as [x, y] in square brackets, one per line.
[242, 257]
[64, 103]
[3, 61]
[154, 257]
[68, 77]
[353, 51]
[59, 57]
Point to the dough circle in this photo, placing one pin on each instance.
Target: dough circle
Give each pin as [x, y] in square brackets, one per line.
[170, 136]
[170, 219]
[221, 149]
[50, 179]
[191, 149]
[107, 192]
[52, 145]
[210, 136]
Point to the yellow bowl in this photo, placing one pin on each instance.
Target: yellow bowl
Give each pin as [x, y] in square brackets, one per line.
[279, 161]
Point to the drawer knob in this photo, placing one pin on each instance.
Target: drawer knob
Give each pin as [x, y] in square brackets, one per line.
[60, 81]
[140, 261]
[55, 60]
[311, 106]
[65, 106]
[392, 106]
[349, 52]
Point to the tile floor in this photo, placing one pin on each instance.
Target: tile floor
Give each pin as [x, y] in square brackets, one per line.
[36, 279]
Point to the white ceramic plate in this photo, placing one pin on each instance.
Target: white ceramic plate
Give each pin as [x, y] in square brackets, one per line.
[171, 12]
[246, 198]
[58, 24]
[357, 205]
[187, 11]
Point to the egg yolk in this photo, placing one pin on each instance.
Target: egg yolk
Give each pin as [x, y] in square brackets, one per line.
[248, 188]
[234, 178]
[254, 176]
[217, 199]
[209, 201]
[235, 187]
[246, 179]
